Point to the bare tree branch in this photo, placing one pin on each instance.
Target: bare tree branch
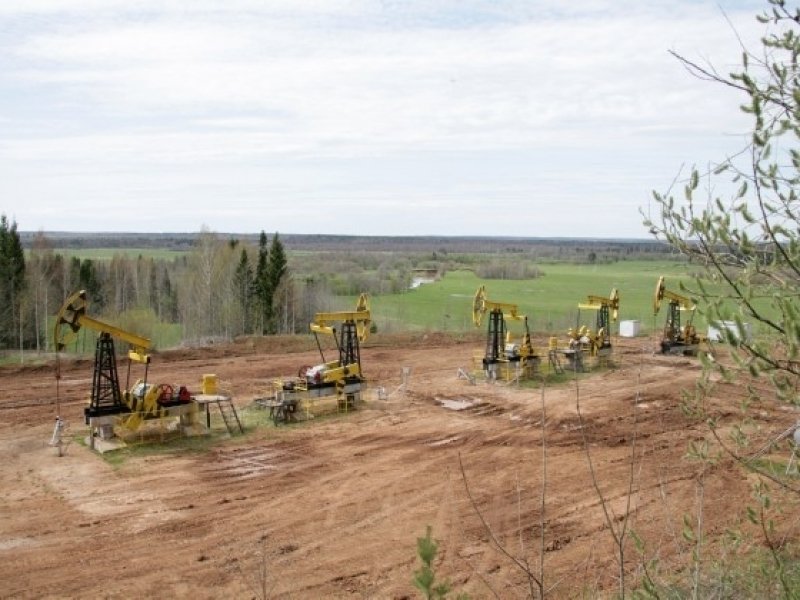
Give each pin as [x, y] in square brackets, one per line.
[521, 565]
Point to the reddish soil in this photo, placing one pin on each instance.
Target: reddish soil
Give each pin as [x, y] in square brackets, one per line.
[332, 507]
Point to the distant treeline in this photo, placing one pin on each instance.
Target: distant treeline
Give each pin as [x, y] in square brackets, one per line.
[554, 248]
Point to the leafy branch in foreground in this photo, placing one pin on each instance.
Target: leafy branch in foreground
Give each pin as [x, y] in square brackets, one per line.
[747, 241]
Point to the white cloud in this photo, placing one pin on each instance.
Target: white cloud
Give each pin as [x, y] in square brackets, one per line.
[172, 7]
[253, 87]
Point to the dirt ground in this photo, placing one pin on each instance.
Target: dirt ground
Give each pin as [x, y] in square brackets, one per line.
[332, 507]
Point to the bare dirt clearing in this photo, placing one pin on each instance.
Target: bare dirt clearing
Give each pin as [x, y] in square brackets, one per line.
[335, 504]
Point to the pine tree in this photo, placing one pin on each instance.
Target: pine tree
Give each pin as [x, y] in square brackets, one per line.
[89, 281]
[425, 577]
[60, 277]
[12, 274]
[243, 290]
[153, 297]
[169, 296]
[276, 271]
[73, 276]
[263, 292]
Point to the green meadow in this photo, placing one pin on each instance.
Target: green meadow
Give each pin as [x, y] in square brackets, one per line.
[549, 301]
[101, 254]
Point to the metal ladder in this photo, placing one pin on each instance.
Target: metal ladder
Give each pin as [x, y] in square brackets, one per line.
[229, 415]
[555, 362]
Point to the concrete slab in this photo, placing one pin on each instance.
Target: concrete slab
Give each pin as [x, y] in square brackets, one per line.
[104, 445]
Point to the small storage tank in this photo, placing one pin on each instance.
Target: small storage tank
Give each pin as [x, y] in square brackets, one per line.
[629, 329]
[209, 385]
[716, 334]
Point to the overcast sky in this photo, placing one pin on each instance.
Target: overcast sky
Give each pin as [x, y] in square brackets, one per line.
[454, 117]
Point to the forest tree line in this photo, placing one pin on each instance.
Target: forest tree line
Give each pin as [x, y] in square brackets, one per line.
[223, 286]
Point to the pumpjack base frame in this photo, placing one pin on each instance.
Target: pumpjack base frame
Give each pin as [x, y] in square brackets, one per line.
[101, 433]
[511, 368]
[102, 437]
[679, 348]
[103, 445]
[97, 412]
[584, 361]
[291, 403]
